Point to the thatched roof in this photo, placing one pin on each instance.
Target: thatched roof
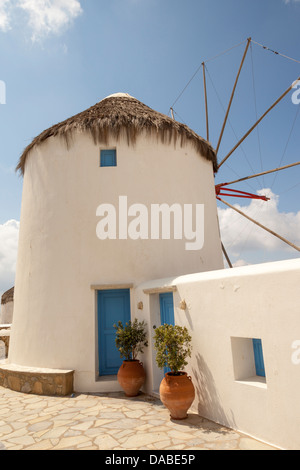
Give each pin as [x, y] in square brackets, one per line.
[122, 115]
[8, 296]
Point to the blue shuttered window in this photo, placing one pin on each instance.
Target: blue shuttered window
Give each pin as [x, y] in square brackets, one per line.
[108, 158]
[259, 358]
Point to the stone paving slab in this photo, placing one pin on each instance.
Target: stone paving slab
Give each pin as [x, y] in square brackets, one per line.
[107, 422]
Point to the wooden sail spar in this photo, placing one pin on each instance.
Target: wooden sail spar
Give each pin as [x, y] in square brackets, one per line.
[260, 174]
[224, 186]
[226, 256]
[206, 103]
[203, 66]
[232, 95]
[235, 193]
[256, 124]
[260, 225]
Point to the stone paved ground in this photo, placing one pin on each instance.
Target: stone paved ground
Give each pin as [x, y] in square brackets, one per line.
[107, 422]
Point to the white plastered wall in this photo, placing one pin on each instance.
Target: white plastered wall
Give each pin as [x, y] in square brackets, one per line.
[225, 310]
[60, 256]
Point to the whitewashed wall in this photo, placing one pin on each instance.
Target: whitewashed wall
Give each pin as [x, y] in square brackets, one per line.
[225, 309]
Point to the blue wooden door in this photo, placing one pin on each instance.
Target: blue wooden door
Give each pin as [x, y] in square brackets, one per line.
[113, 306]
[167, 312]
[259, 358]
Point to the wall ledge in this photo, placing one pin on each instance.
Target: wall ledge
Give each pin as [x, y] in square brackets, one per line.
[37, 381]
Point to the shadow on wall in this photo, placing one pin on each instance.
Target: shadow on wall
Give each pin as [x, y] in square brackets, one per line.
[209, 403]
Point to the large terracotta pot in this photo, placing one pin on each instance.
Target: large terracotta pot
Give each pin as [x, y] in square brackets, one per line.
[177, 393]
[131, 377]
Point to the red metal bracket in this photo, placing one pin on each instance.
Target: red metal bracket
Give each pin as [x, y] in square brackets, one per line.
[236, 193]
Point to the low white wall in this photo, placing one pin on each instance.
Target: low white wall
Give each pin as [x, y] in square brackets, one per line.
[225, 309]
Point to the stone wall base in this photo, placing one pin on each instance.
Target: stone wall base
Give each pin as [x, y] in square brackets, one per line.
[47, 382]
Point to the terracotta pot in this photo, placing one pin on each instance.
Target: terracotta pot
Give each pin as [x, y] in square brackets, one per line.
[131, 377]
[177, 393]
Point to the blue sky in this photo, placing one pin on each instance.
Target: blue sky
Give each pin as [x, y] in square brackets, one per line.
[59, 57]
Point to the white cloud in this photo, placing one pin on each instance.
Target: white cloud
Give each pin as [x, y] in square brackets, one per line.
[9, 236]
[49, 16]
[240, 263]
[239, 235]
[4, 15]
[43, 17]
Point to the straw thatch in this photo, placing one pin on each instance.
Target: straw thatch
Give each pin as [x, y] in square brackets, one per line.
[8, 296]
[121, 115]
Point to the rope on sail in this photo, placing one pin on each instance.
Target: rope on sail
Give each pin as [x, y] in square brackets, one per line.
[275, 52]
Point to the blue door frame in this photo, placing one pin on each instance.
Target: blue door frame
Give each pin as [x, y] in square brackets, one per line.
[113, 306]
[167, 312]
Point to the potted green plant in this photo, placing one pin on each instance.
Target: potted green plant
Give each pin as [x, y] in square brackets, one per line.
[131, 339]
[173, 347]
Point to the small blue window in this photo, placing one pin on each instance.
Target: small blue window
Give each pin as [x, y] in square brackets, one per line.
[259, 358]
[108, 158]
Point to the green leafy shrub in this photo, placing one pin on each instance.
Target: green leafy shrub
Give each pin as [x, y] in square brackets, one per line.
[173, 347]
[131, 339]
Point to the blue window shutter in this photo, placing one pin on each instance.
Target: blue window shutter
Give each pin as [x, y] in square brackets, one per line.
[167, 308]
[259, 358]
[108, 158]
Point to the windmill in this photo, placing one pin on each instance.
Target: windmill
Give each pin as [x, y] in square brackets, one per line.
[224, 189]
